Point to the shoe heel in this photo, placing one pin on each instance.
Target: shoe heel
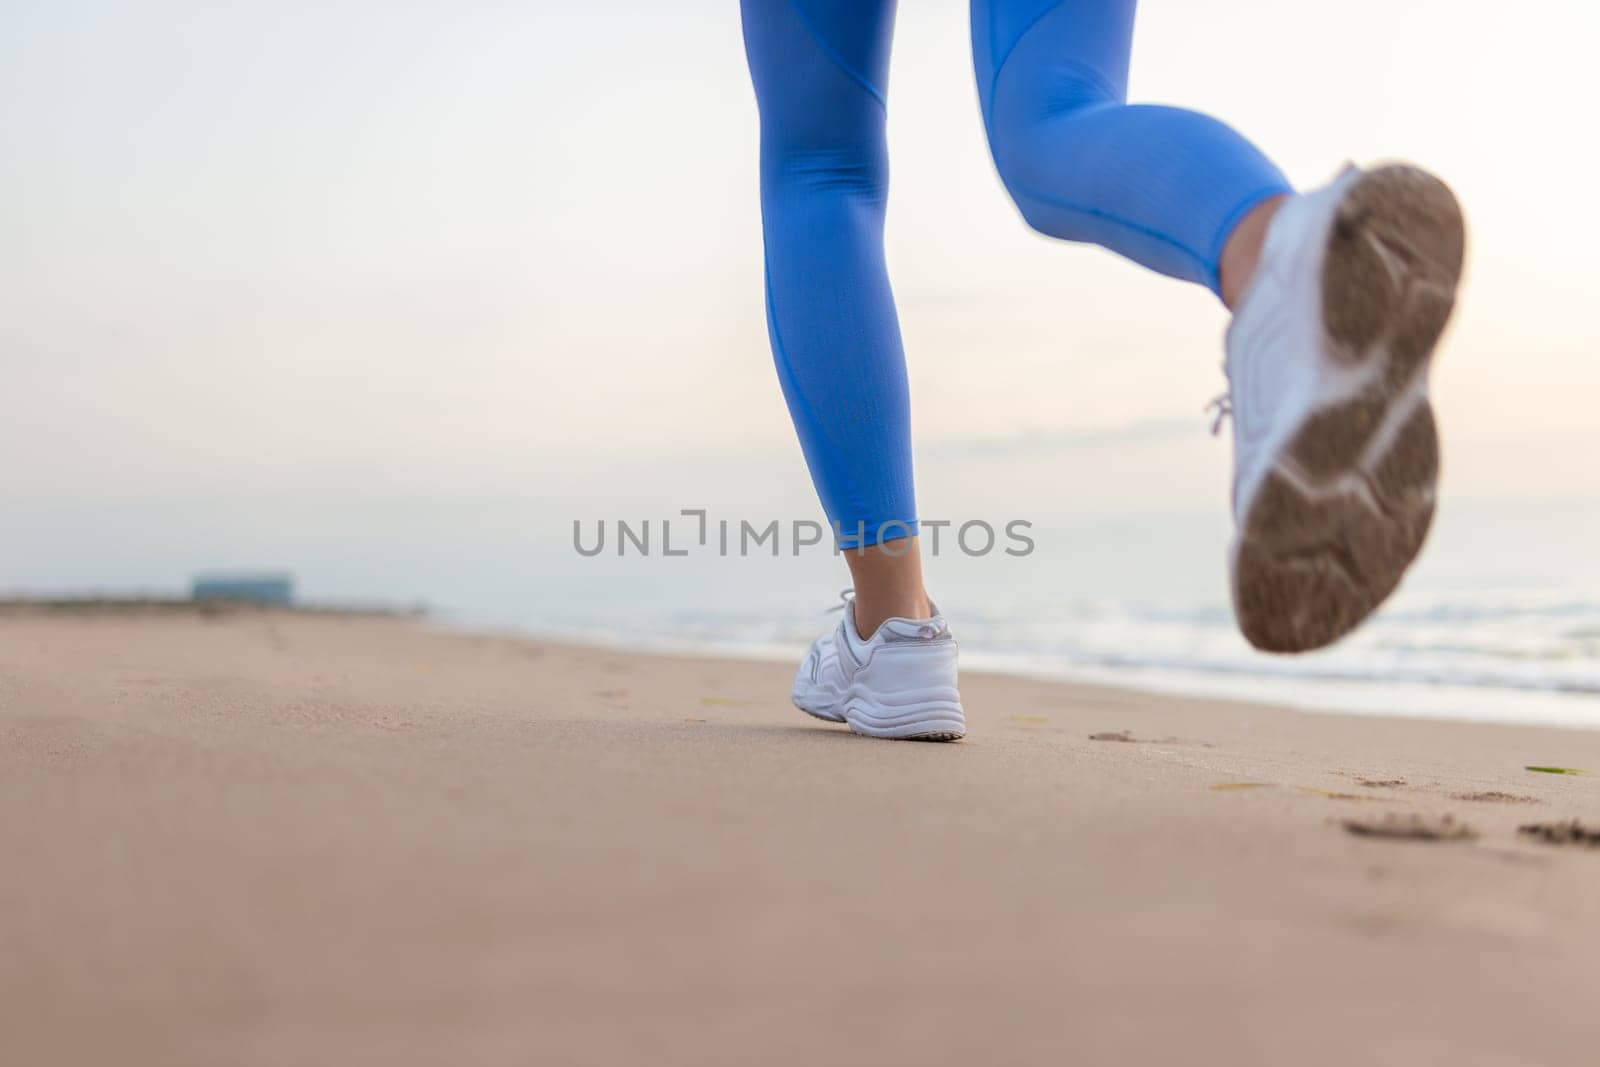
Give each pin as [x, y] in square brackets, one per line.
[923, 715]
[1392, 262]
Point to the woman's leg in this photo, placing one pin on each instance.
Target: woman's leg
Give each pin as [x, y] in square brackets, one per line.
[1336, 455]
[820, 70]
[1163, 186]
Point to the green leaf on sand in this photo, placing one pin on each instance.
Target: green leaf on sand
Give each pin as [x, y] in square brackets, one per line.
[1557, 770]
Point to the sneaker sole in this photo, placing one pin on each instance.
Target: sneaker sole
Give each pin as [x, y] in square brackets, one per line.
[1348, 501]
[935, 715]
[826, 715]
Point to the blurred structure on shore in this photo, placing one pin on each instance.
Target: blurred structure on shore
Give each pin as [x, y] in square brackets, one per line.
[275, 588]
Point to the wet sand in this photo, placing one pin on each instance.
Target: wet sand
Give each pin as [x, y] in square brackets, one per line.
[270, 839]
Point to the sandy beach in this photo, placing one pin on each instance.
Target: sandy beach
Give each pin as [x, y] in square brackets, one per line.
[274, 839]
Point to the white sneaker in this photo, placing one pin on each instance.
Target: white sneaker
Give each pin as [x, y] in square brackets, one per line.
[1336, 456]
[900, 683]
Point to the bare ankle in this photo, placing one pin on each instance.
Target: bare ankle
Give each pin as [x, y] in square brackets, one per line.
[1242, 251]
[888, 584]
[873, 613]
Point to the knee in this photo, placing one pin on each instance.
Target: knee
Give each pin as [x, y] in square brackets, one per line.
[1031, 123]
[1016, 177]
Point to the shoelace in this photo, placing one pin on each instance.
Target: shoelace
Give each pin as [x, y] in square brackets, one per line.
[1223, 404]
[845, 596]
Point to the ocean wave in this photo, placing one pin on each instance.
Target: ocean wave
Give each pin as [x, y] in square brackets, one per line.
[1517, 643]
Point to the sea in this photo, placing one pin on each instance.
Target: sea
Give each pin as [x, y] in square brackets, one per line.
[1499, 621]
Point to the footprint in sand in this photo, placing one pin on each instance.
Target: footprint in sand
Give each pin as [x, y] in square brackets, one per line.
[1303, 790]
[1412, 827]
[1373, 781]
[1563, 833]
[1126, 737]
[1494, 796]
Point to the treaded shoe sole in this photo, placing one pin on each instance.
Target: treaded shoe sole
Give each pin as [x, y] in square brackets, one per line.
[931, 715]
[1346, 505]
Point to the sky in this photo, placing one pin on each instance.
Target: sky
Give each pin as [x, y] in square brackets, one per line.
[382, 291]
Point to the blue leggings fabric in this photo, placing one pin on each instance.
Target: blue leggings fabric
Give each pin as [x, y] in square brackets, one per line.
[1159, 185]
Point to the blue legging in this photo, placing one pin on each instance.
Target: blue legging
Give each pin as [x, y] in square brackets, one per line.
[1160, 185]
